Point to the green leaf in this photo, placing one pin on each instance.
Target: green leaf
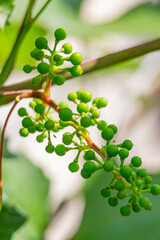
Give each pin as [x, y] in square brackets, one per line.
[6, 152]
[10, 220]
[6, 7]
[100, 221]
[26, 187]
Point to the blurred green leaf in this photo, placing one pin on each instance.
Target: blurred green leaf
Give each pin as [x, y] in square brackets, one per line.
[100, 221]
[6, 7]
[10, 220]
[6, 151]
[75, 4]
[26, 187]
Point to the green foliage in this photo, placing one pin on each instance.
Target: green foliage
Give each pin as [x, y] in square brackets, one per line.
[6, 8]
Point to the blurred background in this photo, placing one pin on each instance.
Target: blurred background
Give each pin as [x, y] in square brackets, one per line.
[60, 205]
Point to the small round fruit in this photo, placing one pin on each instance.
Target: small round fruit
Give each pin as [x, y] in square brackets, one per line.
[72, 96]
[105, 192]
[67, 48]
[32, 129]
[112, 150]
[96, 114]
[76, 71]
[60, 150]
[84, 174]
[89, 155]
[136, 161]
[107, 133]
[112, 201]
[148, 180]
[39, 108]
[43, 68]
[82, 107]
[65, 114]
[40, 138]
[125, 171]
[121, 194]
[67, 138]
[85, 96]
[101, 125]
[145, 203]
[155, 189]
[141, 172]
[123, 153]
[26, 122]
[63, 105]
[41, 43]
[102, 102]
[49, 125]
[60, 34]
[59, 80]
[27, 68]
[89, 167]
[127, 144]
[85, 121]
[22, 112]
[40, 127]
[108, 166]
[113, 127]
[76, 58]
[138, 182]
[73, 167]
[24, 132]
[136, 207]
[49, 148]
[125, 211]
[119, 185]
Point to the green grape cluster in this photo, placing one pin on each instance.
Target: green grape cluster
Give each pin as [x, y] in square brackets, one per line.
[128, 180]
[50, 61]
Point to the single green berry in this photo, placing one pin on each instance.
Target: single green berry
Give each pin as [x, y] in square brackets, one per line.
[60, 149]
[108, 166]
[127, 144]
[93, 108]
[36, 80]
[89, 167]
[84, 174]
[101, 125]
[112, 201]
[79, 93]
[102, 102]
[73, 167]
[85, 96]
[85, 121]
[59, 80]
[125, 171]
[27, 68]
[57, 58]
[37, 100]
[155, 189]
[95, 101]
[43, 68]
[138, 182]
[141, 172]
[63, 105]
[37, 54]
[76, 58]
[72, 96]
[125, 211]
[49, 148]
[40, 127]
[105, 192]
[89, 155]
[119, 185]
[107, 133]
[76, 71]
[148, 180]
[113, 127]
[136, 161]
[40, 138]
[82, 107]
[32, 129]
[67, 138]
[39, 108]
[49, 125]
[123, 153]
[23, 132]
[26, 122]
[145, 203]
[112, 150]
[41, 43]
[32, 104]
[136, 207]
[60, 34]
[22, 112]
[96, 114]
[121, 194]
[67, 48]
[65, 114]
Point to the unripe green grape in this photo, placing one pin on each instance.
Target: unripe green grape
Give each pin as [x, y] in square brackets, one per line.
[112, 150]
[32, 104]
[39, 108]
[127, 144]
[82, 107]
[24, 132]
[37, 54]
[60, 150]
[57, 57]
[72, 96]
[113, 127]
[148, 180]
[123, 153]
[125, 171]
[85, 121]
[108, 166]
[107, 133]
[40, 127]
[101, 125]
[62, 123]
[49, 125]
[60, 34]
[84, 174]
[67, 138]
[102, 102]
[41, 43]
[40, 138]
[145, 203]
[136, 161]
[63, 105]
[85, 96]
[121, 194]
[36, 80]
[76, 58]
[27, 68]
[79, 93]
[89, 155]
[155, 189]
[89, 167]
[43, 68]
[26, 122]
[112, 201]
[32, 129]
[59, 80]
[136, 207]
[141, 172]
[105, 192]
[37, 100]
[49, 148]
[73, 167]
[119, 185]
[96, 114]
[22, 112]
[93, 108]
[67, 48]
[138, 182]
[65, 114]
[125, 211]
[95, 101]
[76, 71]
